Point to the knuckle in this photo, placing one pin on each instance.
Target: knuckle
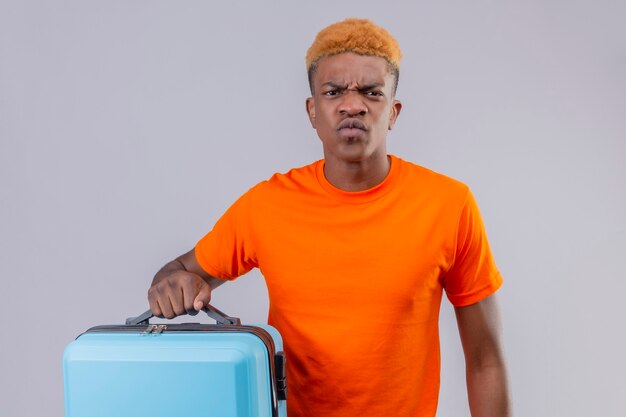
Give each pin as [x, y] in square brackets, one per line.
[187, 279]
[170, 282]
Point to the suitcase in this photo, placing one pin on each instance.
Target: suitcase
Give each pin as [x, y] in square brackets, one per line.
[176, 370]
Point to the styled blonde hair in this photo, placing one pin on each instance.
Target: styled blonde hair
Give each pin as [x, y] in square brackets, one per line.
[360, 36]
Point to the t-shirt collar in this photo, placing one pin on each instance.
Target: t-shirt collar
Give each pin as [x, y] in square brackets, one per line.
[364, 196]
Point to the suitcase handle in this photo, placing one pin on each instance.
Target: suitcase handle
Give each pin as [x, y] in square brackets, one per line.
[211, 311]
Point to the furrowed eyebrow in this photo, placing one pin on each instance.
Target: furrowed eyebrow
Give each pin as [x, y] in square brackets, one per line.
[371, 87]
[367, 87]
[333, 85]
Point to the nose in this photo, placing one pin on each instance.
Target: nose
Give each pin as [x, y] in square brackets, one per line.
[352, 104]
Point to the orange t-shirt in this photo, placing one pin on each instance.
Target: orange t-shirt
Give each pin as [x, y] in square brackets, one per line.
[355, 281]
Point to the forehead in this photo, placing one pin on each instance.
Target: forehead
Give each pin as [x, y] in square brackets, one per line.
[351, 68]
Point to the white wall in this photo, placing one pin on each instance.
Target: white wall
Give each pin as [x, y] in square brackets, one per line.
[127, 127]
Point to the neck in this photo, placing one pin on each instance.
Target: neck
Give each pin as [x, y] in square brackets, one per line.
[357, 175]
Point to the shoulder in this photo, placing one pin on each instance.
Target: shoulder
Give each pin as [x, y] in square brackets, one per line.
[294, 179]
[295, 184]
[424, 180]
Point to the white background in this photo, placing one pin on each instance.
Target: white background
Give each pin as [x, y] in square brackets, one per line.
[128, 127]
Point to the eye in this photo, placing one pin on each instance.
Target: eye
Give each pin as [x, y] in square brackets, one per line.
[330, 93]
[373, 93]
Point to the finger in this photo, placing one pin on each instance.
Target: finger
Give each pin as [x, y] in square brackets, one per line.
[171, 297]
[160, 292]
[176, 299]
[154, 304]
[203, 297]
[166, 308]
[190, 291]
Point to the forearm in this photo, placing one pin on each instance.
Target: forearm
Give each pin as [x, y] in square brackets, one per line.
[487, 385]
[488, 391]
[186, 263]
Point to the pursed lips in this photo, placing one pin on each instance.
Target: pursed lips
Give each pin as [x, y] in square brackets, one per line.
[352, 124]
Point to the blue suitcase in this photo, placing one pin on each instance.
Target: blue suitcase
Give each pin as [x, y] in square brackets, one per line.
[176, 370]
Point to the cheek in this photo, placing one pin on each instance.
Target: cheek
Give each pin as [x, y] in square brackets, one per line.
[382, 122]
[324, 121]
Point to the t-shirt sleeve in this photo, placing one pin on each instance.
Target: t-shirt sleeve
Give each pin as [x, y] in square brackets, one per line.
[474, 274]
[227, 251]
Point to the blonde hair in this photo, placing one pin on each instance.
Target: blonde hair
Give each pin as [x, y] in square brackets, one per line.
[360, 36]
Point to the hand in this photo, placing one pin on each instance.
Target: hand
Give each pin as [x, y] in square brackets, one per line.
[178, 293]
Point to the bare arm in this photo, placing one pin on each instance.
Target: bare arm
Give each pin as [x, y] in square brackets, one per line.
[487, 386]
[180, 287]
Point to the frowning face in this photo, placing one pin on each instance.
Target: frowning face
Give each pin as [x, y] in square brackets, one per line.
[353, 106]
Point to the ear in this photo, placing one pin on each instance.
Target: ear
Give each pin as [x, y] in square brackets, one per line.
[393, 114]
[310, 110]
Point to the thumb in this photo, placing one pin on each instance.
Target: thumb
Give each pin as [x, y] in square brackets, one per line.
[203, 297]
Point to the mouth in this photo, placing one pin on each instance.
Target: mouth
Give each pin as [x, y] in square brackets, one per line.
[351, 129]
[352, 125]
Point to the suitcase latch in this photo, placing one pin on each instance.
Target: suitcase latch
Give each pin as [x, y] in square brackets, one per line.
[281, 375]
[154, 329]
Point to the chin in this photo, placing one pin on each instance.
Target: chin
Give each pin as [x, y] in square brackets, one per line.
[353, 154]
